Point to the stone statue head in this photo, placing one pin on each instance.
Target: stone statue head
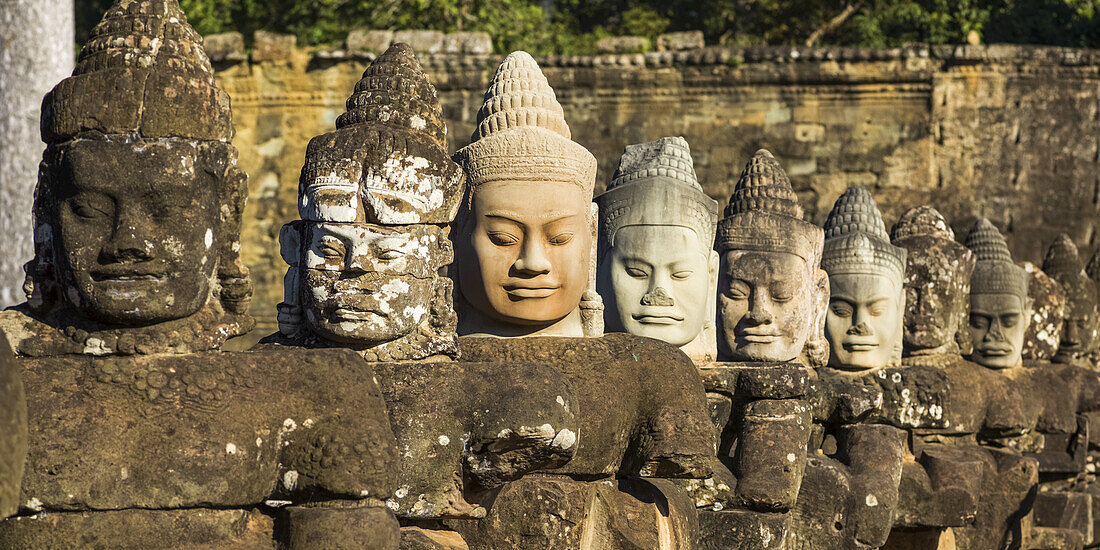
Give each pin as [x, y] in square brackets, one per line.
[375, 199]
[770, 285]
[1080, 325]
[1048, 311]
[524, 240]
[866, 292]
[138, 205]
[1000, 309]
[658, 269]
[937, 283]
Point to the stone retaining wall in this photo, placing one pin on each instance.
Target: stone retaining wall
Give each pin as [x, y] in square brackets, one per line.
[1010, 133]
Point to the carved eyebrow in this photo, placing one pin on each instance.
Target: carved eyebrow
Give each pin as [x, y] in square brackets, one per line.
[515, 218]
[635, 259]
[504, 215]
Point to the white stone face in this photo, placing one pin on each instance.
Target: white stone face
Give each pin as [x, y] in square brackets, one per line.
[863, 322]
[366, 284]
[656, 281]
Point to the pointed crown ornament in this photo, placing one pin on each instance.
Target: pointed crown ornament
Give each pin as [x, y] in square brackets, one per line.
[656, 173]
[763, 214]
[922, 221]
[856, 240]
[995, 272]
[922, 227]
[386, 162]
[521, 132]
[1063, 263]
[151, 64]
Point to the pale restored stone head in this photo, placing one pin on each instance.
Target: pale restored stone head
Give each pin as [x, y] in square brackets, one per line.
[1000, 309]
[937, 283]
[658, 269]
[375, 197]
[1080, 325]
[524, 240]
[138, 205]
[866, 292]
[770, 285]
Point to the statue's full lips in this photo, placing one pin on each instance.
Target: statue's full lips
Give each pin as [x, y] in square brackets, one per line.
[531, 291]
[347, 314]
[658, 319]
[128, 278]
[859, 346]
[756, 338]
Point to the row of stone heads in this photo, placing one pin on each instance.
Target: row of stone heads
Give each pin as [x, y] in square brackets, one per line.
[139, 202]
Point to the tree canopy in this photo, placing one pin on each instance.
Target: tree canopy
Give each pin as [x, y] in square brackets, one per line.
[573, 26]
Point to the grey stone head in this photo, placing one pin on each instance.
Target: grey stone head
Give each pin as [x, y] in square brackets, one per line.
[866, 275]
[139, 199]
[937, 283]
[1000, 309]
[376, 197]
[772, 293]
[657, 268]
[1080, 325]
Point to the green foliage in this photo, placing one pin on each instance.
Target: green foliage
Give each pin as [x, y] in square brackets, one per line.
[890, 23]
[574, 26]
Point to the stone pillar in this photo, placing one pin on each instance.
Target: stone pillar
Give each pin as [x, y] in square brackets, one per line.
[36, 52]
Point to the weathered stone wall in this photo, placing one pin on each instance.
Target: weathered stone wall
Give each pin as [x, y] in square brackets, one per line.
[1010, 133]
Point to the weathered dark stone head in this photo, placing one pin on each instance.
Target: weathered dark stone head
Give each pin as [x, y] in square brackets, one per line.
[866, 297]
[937, 283]
[1000, 309]
[138, 205]
[1080, 326]
[1048, 311]
[658, 269]
[772, 293]
[525, 239]
[376, 197]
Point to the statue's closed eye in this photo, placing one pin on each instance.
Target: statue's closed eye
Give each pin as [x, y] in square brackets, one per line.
[87, 209]
[561, 239]
[841, 309]
[332, 250]
[501, 238]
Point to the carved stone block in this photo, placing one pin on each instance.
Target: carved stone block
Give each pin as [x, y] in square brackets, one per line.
[551, 511]
[13, 427]
[246, 529]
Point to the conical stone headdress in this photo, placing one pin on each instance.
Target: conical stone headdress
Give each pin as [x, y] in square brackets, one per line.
[143, 72]
[521, 132]
[386, 162]
[1063, 263]
[922, 221]
[856, 240]
[655, 184]
[995, 272]
[764, 214]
